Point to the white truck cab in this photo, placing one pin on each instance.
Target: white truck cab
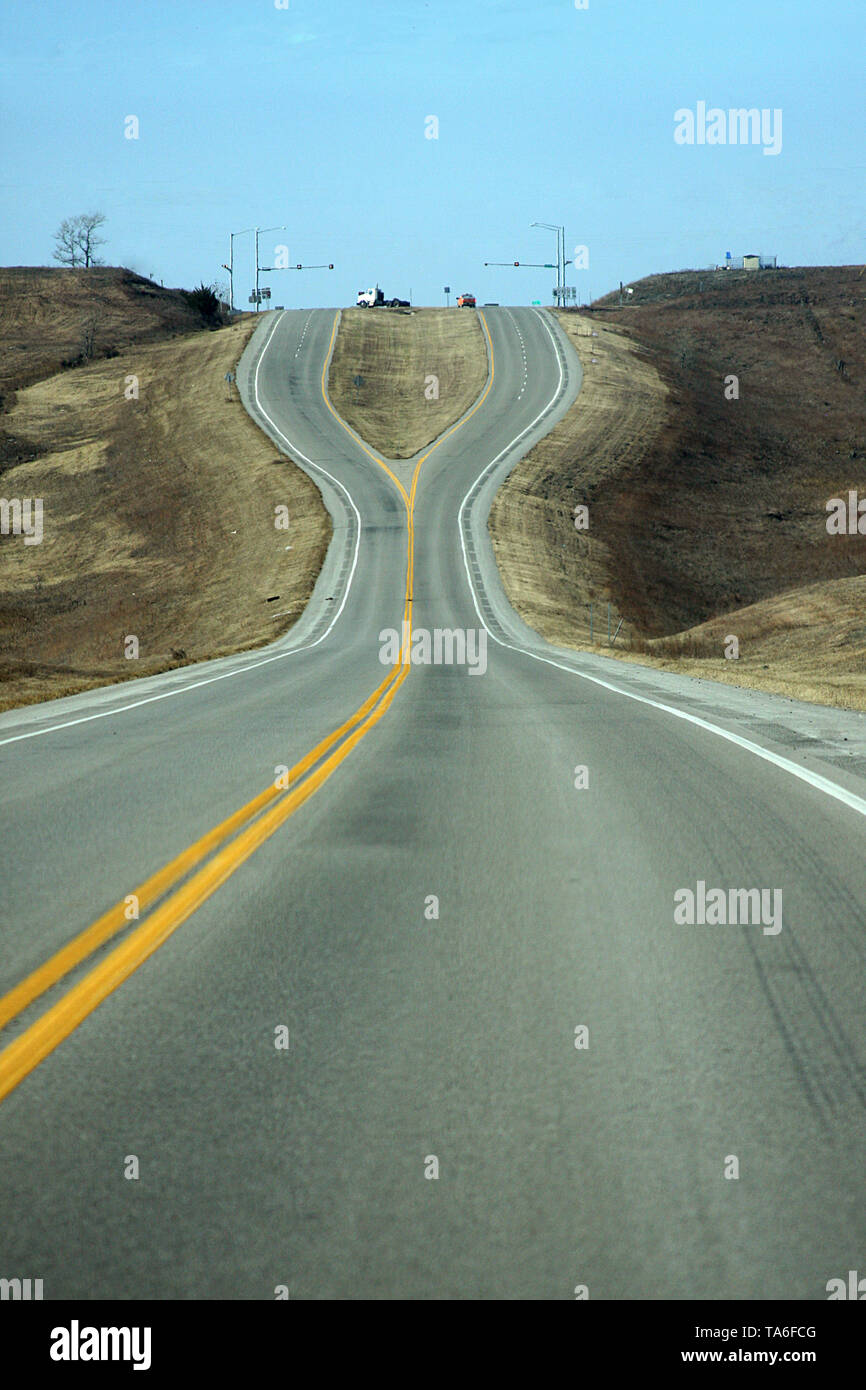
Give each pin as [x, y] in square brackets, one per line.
[368, 299]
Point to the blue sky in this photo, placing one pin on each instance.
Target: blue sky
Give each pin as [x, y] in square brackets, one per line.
[315, 116]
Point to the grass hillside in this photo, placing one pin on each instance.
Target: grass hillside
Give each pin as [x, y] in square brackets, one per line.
[707, 513]
[400, 379]
[45, 315]
[158, 509]
[729, 506]
[54, 319]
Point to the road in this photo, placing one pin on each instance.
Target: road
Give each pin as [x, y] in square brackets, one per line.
[422, 1029]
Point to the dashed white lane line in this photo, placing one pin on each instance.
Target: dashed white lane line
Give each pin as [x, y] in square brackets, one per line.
[523, 351]
[304, 333]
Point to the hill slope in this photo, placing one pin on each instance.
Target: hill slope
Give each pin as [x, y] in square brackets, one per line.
[45, 314]
[707, 514]
[730, 507]
[158, 510]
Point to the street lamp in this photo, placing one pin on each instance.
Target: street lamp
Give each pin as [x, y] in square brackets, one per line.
[258, 230]
[559, 293]
[230, 266]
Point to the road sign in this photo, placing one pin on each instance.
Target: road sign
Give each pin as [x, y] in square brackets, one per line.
[536, 301]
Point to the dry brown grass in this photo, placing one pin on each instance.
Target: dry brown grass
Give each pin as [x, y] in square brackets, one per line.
[728, 507]
[45, 313]
[553, 572]
[707, 516]
[158, 522]
[807, 643]
[395, 353]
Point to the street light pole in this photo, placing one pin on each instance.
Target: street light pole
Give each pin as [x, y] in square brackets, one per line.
[230, 266]
[560, 256]
[264, 229]
[565, 263]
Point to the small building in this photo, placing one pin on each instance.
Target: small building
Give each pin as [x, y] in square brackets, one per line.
[750, 262]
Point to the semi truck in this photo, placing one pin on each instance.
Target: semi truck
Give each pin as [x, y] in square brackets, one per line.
[370, 299]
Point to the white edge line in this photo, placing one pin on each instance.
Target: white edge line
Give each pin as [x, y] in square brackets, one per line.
[813, 779]
[253, 666]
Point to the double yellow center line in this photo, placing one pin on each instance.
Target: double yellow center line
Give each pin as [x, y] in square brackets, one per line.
[171, 895]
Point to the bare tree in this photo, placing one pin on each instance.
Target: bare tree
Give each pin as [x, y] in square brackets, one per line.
[66, 250]
[88, 239]
[77, 239]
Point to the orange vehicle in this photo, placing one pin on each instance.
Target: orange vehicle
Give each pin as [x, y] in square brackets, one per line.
[466, 301]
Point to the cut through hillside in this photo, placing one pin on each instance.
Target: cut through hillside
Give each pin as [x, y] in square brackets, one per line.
[159, 521]
[707, 496]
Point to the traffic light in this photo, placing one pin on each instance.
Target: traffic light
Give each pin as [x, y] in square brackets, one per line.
[517, 263]
[330, 267]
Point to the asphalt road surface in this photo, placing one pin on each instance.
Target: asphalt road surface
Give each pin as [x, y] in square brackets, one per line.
[433, 910]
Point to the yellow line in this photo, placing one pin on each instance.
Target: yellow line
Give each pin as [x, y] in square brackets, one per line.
[43, 1036]
[115, 919]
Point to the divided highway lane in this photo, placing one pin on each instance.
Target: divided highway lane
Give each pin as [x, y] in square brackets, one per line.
[92, 808]
[454, 1037]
